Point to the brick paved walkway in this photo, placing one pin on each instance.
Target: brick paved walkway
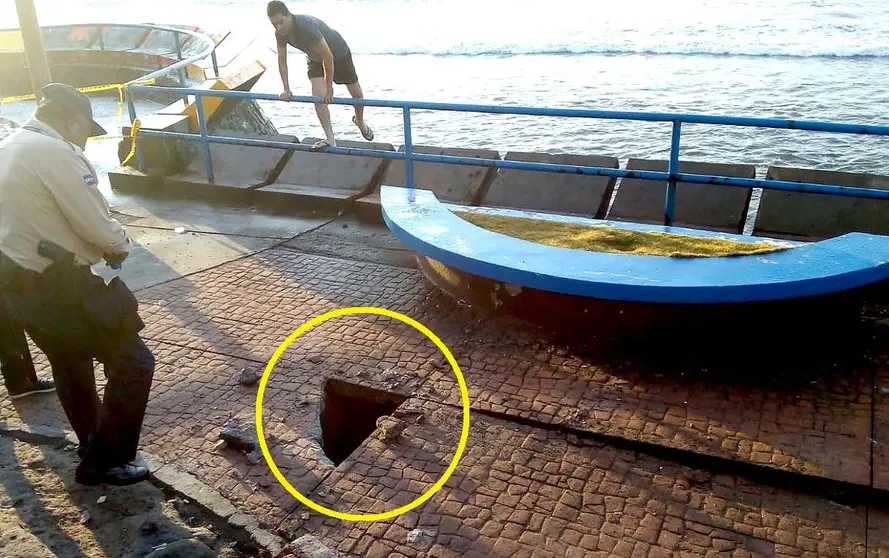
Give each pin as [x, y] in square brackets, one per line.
[207, 327]
[816, 422]
[525, 492]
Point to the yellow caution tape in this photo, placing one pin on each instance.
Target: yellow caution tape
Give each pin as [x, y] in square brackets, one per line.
[106, 138]
[133, 132]
[17, 98]
[91, 89]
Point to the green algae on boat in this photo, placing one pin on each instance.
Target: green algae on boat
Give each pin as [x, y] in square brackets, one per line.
[598, 238]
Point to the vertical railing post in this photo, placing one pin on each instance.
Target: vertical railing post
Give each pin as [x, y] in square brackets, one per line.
[131, 105]
[131, 108]
[672, 170]
[181, 70]
[215, 63]
[202, 122]
[408, 150]
[101, 39]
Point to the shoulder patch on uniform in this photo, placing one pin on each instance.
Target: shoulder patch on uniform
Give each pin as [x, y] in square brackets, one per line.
[89, 179]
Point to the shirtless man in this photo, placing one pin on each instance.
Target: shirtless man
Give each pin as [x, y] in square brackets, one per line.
[329, 60]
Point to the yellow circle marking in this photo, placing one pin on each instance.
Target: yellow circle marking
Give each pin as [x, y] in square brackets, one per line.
[464, 395]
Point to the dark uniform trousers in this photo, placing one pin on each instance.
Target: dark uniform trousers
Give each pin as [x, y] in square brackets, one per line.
[75, 317]
[15, 355]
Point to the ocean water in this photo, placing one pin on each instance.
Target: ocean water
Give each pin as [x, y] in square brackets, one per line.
[802, 59]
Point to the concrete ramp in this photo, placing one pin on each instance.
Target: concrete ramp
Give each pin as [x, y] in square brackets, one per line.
[553, 192]
[451, 183]
[705, 206]
[819, 216]
[321, 175]
[238, 166]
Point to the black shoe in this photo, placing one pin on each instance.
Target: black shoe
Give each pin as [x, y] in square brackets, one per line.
[42, 385]
[122, 475]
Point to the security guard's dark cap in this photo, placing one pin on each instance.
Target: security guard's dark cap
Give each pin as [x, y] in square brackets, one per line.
[63, 97]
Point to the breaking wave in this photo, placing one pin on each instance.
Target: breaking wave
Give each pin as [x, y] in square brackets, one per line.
[790, 51]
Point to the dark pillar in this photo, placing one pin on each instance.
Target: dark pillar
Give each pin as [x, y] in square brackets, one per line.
[36, 56]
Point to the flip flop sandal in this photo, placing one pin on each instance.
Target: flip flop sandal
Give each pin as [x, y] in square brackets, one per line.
[321, 145]
[366, 131]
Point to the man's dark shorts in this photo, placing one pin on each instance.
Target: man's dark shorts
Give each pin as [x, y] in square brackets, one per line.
[343, 70]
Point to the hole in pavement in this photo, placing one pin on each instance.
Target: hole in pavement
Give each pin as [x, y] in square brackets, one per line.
[349, 414]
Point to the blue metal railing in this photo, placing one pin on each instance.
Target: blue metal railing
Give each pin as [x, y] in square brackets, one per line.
[672, 176]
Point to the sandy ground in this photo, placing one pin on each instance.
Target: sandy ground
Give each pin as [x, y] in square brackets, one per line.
[44, 513]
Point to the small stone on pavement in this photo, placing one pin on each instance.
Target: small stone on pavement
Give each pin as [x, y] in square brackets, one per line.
[186, 548]
[254, 457]
[308, 546]
[205, 536]
[249, 377]
[389, 428]
[418, 534]
[237, 437]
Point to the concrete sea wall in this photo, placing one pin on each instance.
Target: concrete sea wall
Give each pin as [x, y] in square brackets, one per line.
[354, 182]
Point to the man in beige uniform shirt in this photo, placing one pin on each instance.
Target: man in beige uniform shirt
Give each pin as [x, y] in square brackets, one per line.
[16, 364]
[55, 224]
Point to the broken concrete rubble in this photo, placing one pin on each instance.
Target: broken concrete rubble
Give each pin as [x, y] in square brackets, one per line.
[389, 428]
[237, 437]
[309, 547]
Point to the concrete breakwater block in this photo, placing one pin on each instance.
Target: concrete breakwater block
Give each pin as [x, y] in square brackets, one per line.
[550, 191]
[705, 206]
[161, 155]
[450, 183]
[819, 216]
[328, 175]
[238, 166]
